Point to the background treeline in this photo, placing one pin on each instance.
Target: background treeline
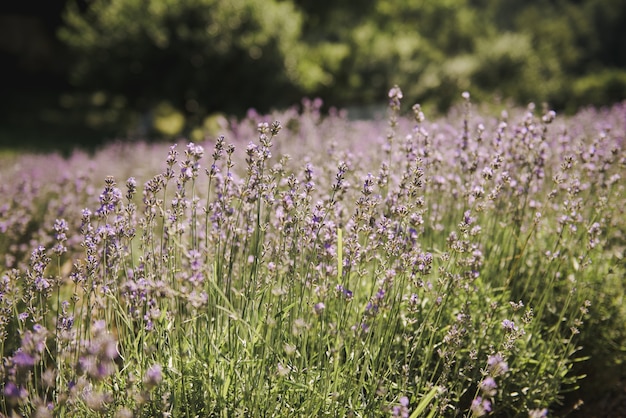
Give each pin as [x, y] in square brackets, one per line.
[141, 62]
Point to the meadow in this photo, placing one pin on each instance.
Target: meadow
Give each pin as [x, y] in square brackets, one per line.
[310, 265]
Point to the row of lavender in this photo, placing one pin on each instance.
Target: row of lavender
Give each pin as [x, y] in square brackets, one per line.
[461, 267]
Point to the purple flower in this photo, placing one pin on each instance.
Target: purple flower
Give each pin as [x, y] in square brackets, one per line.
[368, 184]
[347, 293]
[60, 229]
[34, 342]
[371, 308]
[66, 322]
[339, 177]
[23, 360]
[395, 95]
[467, 219]
[509, 325]
[38, 263]
[41, 284]
[12, 391]
[496, 365]
[480, 407]
[401, 410]
[110, 197]
[153, 376]
[194, 151]
[131, 186]
[319, 307]
[488, 386]
[99, 355]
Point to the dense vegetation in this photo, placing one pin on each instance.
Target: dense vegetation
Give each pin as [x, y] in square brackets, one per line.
[323, 265]
[193, 58]
[465, 266]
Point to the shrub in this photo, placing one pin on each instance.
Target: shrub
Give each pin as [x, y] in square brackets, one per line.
[447, 268]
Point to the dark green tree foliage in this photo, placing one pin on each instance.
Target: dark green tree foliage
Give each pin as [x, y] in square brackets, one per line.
[409, 43]
[199, 54]
[582, 44]
[216, 55]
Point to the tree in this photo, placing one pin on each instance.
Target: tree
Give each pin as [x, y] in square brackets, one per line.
[201, 55]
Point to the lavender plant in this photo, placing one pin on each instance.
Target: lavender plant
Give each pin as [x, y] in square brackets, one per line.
[464, 267]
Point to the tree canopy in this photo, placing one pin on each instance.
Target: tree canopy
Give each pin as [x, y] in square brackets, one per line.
[205, 56]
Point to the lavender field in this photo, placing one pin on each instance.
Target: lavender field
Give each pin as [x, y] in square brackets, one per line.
[465, 266]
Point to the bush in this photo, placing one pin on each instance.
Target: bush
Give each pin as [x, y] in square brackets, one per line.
[202, 56]
[455, 267]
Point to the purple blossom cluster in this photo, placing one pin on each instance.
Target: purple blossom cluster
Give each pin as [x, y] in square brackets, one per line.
[319, 264]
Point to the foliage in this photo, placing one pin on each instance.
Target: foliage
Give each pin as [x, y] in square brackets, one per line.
[461, 267]
[207, 56]
[199, 55]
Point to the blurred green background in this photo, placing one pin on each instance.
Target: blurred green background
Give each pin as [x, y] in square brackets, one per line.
[81, 72]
